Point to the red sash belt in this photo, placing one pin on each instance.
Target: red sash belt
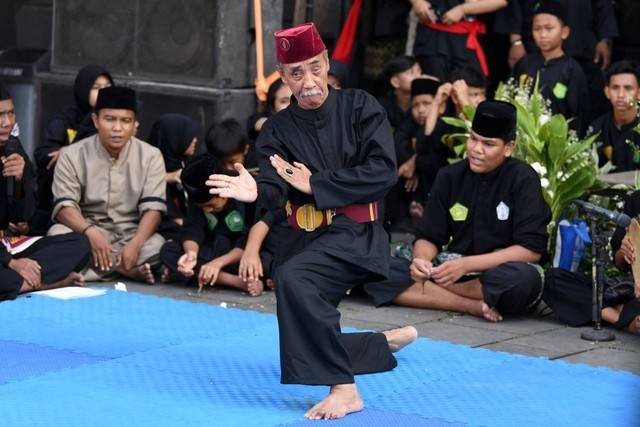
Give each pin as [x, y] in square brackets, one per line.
[473, 28]
[307, 217]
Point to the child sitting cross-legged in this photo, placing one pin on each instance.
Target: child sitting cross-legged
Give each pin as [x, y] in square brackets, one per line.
[213, 234]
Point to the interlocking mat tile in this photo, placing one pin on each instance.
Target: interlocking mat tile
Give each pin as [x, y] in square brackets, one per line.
[127, 359]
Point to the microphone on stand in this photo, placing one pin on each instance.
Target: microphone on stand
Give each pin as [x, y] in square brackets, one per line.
[620, 219]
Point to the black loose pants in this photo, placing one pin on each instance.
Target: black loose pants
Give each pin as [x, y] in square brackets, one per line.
[57, 255]
[313, 350]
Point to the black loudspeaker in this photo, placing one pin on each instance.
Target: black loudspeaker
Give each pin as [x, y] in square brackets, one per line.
[205, 105]
[93, 32]
[328, 15]
[188, 41]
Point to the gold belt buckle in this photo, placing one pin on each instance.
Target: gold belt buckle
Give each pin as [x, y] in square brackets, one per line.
[308, 217]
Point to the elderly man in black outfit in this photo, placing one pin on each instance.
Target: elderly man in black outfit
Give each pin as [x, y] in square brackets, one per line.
[328, 159]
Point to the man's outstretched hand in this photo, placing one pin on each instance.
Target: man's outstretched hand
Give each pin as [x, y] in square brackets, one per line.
[242, 187]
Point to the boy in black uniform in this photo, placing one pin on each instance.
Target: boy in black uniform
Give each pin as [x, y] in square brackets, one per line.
[399, 73]
[467, 88]
[212, 236]
[490, 210]
[29, 263]
[618, 142]
[593, 27]
[407, 139]
[562, 80]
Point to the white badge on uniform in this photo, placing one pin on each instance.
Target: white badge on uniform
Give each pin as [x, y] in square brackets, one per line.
[502, 210]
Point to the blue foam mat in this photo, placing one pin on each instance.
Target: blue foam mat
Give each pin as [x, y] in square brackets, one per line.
[137, 360]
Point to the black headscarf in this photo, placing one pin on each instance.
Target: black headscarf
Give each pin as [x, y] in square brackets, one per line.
[4, 92]
[84, 82]
[271, 96]
[172, 134]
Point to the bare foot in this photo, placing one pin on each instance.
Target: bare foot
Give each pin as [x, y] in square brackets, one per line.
[166, 274]
[400, 337]
[416, 210]
[255, 287]
[73, 279]
[343, 399]
[491, 314]
[141, 273]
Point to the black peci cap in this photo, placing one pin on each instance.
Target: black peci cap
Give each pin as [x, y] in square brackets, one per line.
[495, 119]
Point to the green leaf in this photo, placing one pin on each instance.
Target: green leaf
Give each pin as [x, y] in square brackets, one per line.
[535, 101]
[459, 123]
[469, 112]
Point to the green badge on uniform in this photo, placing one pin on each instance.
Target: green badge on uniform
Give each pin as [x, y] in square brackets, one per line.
[560, 90]
[234, 221]
[212, 221]
[458, 212]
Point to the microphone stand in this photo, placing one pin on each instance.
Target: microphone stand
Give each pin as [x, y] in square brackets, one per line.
[599, 261]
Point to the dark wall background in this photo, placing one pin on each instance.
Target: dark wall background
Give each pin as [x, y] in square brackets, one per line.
[196, 57]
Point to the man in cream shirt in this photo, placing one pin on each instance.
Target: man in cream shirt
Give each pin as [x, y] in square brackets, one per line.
[111, 188]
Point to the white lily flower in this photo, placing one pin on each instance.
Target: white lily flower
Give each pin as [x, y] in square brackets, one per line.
[539, 168]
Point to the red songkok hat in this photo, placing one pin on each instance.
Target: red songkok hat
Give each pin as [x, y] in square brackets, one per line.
[298, 43]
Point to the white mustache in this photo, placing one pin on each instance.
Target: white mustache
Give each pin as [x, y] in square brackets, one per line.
[314, 92]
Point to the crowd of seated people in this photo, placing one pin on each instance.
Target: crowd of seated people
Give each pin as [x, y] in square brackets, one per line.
[109, 203]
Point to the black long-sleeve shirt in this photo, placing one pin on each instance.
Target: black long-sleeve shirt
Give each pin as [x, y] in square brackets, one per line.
[562, 81]
[590, 21]
[480, 213]
[223, 231]
[22, 205]
[616, 143]
[347, 145]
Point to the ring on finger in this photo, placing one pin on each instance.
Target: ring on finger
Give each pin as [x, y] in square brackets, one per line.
[288, 172]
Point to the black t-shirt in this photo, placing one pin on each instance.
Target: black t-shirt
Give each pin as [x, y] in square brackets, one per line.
[480, 213]
[589, 20]
[223, 231]
[562, 82]
[616, 142]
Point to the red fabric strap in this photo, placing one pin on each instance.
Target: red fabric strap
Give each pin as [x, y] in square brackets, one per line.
[360, 212]
[473, 28]
[344, 45]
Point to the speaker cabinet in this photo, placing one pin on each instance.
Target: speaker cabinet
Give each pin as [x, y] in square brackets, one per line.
[93, 32]
[205, 105]
[205, 42]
